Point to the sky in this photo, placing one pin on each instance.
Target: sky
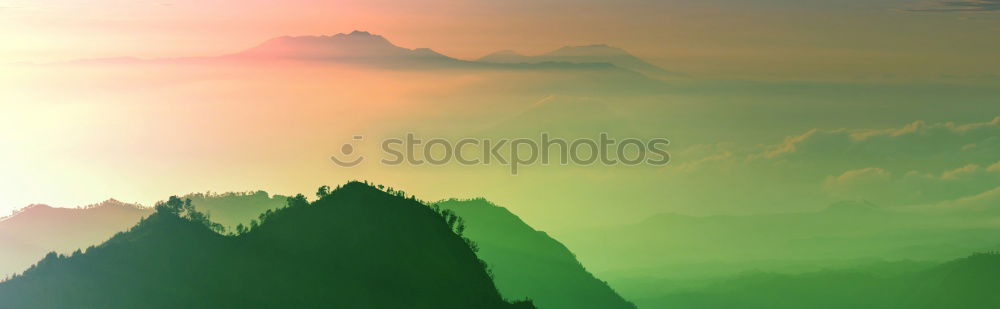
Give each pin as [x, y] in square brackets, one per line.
[785, 106]
[777, 39]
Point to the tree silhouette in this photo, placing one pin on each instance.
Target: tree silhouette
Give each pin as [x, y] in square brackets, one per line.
[323, 191]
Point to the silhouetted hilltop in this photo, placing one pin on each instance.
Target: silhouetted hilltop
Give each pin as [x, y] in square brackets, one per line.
[964, 283]
[355, 247]
[529, 264]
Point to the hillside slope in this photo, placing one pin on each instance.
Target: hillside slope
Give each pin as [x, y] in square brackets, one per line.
[528, 263]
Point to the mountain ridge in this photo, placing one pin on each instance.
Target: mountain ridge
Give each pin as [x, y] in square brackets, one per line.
[357, 45]
[365, 48]
[238, 208]
[354, 247]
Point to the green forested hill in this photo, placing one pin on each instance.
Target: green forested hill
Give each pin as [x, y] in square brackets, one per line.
[356, 247]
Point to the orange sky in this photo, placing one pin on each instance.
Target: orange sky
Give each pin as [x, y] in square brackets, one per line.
[775, 38]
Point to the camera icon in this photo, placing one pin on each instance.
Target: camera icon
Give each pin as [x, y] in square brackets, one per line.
[347, 150]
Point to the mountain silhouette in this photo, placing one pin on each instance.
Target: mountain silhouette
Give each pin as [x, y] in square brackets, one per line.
[355, 247]
[596, 53]
[519, 263]
[530, 264]
[968, 283]
[844, 231]
[361, 47]
[360, 50]
[31, 232]
[364, 48]
[357, 46]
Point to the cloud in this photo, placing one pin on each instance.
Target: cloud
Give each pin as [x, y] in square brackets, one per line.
[866, 175]
[917, 146]
[920, 163]
[994, 168]
[988, 200]
[913, 188]
[960, 172]
[928, 147]
[960, 6]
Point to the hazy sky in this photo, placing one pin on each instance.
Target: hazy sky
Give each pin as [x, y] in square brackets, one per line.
[899, 74]
[718, 38]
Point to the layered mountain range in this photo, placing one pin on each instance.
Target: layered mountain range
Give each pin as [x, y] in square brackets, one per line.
[364, 48]
[355, 247]
[526, 263]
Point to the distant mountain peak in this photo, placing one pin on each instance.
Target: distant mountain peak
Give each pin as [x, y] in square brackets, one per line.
[359, 33]
[354, 46]
[362, 35]
[36, 206]
[305, 41]
[27, 209]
